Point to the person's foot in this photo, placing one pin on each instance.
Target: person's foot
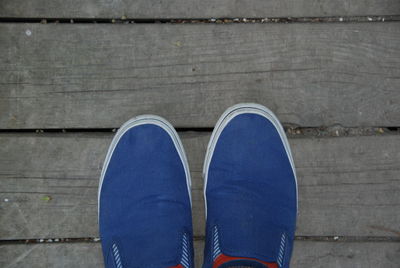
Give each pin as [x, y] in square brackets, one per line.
[144, 198]
[250, 191]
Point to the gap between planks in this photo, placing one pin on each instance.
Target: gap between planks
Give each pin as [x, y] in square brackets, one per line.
[394, 239]
[291, 131]
[125, 20]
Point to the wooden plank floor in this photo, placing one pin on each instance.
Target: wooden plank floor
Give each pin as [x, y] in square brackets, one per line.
[334, 85]
[337, 179]
[306, 254]
[98, 76]
[195, 8]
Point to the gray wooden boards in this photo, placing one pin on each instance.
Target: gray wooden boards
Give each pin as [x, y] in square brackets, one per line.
[194, 8]
[51, 255]
[100, 75]
[306, 254]
[348, 186]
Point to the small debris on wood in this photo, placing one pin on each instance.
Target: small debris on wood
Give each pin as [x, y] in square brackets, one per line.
[337, 131]
[46, 198]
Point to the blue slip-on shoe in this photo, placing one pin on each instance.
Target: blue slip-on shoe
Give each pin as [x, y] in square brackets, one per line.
[250, 191]
[144, 198]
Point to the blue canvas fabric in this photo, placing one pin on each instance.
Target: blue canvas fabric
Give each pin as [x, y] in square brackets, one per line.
[145, 209]
[251, 194]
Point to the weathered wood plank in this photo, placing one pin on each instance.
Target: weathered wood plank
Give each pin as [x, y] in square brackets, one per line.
[348, 186]
[51, 255]
[343, 254]
[194, 8]
[98, 76]
[306, 254]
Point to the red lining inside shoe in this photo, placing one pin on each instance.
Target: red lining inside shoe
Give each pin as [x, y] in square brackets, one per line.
[178, 266]
[221, 259]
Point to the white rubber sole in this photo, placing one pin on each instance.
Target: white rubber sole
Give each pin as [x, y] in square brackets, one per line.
[142, 120]
[227, 116]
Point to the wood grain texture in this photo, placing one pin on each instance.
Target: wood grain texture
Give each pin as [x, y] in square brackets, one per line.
[306, 254]
[348, 186]
[51, 255]
[194, 8]
[98, 76]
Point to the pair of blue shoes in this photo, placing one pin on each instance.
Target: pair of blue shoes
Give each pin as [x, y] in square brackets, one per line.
[249, 186]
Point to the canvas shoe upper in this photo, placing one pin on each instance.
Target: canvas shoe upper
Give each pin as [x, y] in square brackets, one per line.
[144, 198]
[250, 191]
